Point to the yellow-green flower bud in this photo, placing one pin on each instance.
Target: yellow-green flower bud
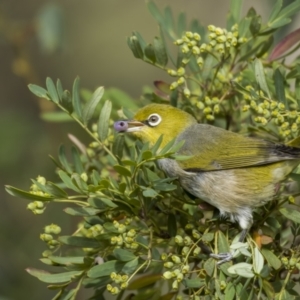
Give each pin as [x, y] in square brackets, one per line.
[285, 125]
[115, 290]
[219, 31]
[172, 72]
[223, 285]
[186, 92]
[109, 287]
[210, 117]
[189, 34]
[298, 266]
[192, 44]
[178, 240]
[293, 261]
[213, 43]
[217, 108]
[180, 71]
[164, 256]
[293, 114]
[131, 233]
[221, 39]
[41, 180]
[185, 49]
[298, 120]
[294, 127]
[281, 106]
[121, 228]
[167, 275]
[200, 105]
[168, 264]
[207, 110]
[203, 47]
[116, 224]
[84, 177]
[196, 234]
[200, 61]
[234, 41]
[196, 50]
[53, 228]
[113, 275]
[179, 277]
[185, 269]
[196, 36]
[245, 108]
[179, 42]
[113, 240]
[173, 85]
[291, 199]
[207, 101]
[134, 245]
[46, 237]
[185, 250]
[124, 285]
[175, 285]
[187, 241]
[196, 251]
[185, 60]
[181, 80]
[31, 206]
[176, 259]
[285, 261]
[211, 28]
[212, 36]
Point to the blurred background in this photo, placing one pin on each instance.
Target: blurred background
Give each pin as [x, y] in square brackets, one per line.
[64, 39]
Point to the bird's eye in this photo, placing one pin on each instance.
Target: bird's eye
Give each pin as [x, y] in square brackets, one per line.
[154, 119]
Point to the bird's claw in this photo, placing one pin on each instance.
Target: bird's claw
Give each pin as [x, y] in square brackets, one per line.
[222, 257]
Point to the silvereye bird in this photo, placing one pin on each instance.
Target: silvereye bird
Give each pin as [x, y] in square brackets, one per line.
[230, 171]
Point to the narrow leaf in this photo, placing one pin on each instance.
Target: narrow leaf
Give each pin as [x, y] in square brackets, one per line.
[53, 278]
[90, 106]
[160, 51]
[258, 261]
[271, 258]
[67, 181]
[63, 159]
[123, 255]
[105, 269]
[291, 214]
[77, 161]
[79, 241]
[279, 86]
[260, 76]
[103, 121]
[76, 98]
[38, 91]
[275, 10]
[25, 195]
[52, 90]
[81, 211]
[59, 89]
[122, 170]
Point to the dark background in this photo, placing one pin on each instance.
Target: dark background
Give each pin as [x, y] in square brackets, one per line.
[92, 45]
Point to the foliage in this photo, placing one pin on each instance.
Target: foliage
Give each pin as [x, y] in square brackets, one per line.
[139, 235]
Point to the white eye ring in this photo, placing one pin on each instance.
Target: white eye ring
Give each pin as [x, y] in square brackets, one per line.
[154, 119]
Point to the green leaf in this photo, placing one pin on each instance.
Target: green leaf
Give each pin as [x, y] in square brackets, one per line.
[155, 12]
[258, 261]
[150, 53]
[59, 89]
[56, 117]
[52, 90]
[280, 23]
[135, 46]
[90, 106]
[25, 195]
[193, 283]
[55, 190]
[172, 225]
[123, 255]
[235, 10]
[271, 258]
[118, 145]
[268, 288]
[149, 193]
[54, 278]
[209, 266]
[147, 154]
[103, 122]
[76, 98]
[105, 269]
[279, 86]
[290, 10]
[102, 203]
[160, 51]
[260, 76]
[291, 214]
[79, 241]
[223, 246]
[67, 181]
[80, 183]
[275, 10]
[144, 281]
[66, 101]
[67, 260]
[77, 161]
[181, 23]
[63, 159]
[81, 211]
[229, 291]
[122, 170]
[38, 91]
[242, 269]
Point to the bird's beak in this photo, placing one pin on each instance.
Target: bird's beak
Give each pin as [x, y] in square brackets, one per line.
[128, 126]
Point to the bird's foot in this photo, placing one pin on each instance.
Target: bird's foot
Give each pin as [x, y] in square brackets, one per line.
[223, 257]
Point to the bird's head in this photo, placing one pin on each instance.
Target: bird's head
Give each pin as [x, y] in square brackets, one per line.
[155, 120]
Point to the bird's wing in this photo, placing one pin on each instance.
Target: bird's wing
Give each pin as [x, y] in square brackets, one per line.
[212, 148]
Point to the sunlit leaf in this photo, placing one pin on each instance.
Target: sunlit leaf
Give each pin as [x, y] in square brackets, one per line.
[76, 98]
[38, 91]
[52, 90]
[103, 122]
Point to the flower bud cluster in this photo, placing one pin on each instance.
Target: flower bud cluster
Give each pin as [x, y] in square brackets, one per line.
[126, 237]
[35, 190]
[265, 110]
[121, 282]
[37, 207]
[47, 236]
[210, 107]
[291, 263]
